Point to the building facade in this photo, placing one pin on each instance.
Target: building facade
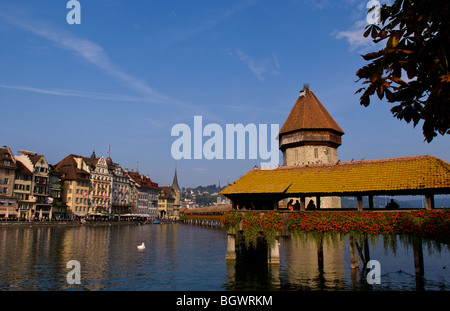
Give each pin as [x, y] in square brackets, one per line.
[121, 189]
[170, 200]
[38, 166]
[76, 185]
[165, 202]
[22, 191]
[147, 193]
[101, 182]
[8, 168]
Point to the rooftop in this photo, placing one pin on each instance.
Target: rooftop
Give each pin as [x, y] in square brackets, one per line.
[408, 175]
[308, 113]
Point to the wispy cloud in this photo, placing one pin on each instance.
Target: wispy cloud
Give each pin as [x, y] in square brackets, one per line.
[260, 67]
[355, 36]
[74, 93]
[211, 22]
[355, 33]
[90, 52]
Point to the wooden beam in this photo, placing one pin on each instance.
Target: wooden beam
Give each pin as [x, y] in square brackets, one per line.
[317, 202]
[370, 201]
[360, 203]
[429, 201]
[302, 203]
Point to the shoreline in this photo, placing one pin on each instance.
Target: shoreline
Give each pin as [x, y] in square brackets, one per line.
[77, 223]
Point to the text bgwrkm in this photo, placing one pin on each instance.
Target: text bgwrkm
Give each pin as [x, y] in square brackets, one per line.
[225, 301]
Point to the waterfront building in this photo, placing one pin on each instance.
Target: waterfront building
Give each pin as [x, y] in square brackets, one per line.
[121, 189]
[22, 191]
[8, 168]
[101, 181]
[54, 190]
[170, 199]
[38, 166]
[310, 135]
[147, 195]
[165, 203]
[75, 179]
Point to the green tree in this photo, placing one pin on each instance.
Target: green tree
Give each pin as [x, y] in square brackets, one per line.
[412, 69]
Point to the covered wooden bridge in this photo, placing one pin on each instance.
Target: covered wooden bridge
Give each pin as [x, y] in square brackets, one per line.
[262, 188]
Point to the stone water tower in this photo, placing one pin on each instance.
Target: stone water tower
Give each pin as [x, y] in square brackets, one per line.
[310, 136]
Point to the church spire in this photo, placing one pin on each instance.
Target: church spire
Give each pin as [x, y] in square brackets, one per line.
[175, 181]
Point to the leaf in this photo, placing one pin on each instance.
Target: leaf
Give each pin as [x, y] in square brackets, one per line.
[372, 55]
[398, 81]
[389, 95]
[365, 100]
[380, 92]
[367, 32]
[393, 40]
[445, 78]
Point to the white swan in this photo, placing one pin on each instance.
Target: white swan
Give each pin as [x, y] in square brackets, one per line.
[142, 246]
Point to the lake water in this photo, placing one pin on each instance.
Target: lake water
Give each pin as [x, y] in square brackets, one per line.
[181, 257]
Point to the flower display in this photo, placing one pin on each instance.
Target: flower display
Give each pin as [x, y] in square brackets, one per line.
[269, 224]
[430, 223]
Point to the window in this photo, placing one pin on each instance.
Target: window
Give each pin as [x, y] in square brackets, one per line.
[316, 153]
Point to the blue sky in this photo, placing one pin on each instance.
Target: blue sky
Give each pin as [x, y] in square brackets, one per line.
[133, 69]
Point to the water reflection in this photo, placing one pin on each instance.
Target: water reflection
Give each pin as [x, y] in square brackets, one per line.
[185, 257]
[325, 263]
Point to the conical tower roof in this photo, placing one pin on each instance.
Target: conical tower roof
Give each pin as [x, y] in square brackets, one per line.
[175, 181]
[308, 113]
[309, 123]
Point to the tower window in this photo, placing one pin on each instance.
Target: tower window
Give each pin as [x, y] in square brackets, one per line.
[316, 153]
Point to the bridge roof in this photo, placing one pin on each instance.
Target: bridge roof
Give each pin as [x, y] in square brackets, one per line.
[409, 175]
[207, 210]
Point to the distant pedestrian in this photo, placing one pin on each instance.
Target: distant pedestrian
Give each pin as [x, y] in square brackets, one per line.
[289, 205]
[392, 205]
[311, 206]
[297, 205]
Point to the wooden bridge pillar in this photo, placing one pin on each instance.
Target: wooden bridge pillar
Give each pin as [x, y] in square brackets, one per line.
[360, 203]
[302, 203]
[429, 201]
[370, 201]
